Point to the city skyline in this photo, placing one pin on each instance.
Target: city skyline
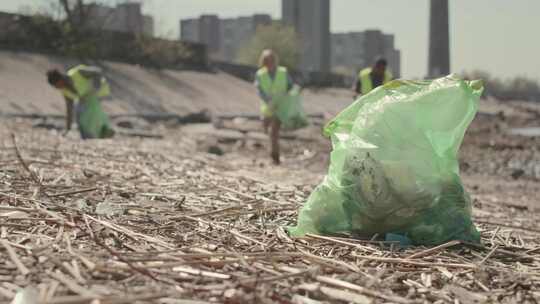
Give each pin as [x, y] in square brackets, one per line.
[348, 52]
[493, 34]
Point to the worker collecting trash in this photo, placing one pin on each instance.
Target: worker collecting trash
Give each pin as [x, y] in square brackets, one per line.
[372, 77]
[82, 88]
[394, 167]
[281, 105]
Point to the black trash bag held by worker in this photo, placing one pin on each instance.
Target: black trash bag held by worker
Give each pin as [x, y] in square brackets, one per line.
[394, 166]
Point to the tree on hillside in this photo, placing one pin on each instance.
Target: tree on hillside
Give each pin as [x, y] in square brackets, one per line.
[78, 38]
[77, 13]
[83, 30]
[282, 39]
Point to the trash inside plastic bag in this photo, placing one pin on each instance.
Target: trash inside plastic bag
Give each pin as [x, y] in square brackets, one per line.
[394, 166]
[290, 112]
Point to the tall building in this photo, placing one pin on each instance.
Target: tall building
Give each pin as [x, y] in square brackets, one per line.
[356, 50]
[224, 37]
[439, 39]
[148, 25]
[125, 17]
[209, 32]
[190, 30]
[311, 20]
[205, 30]
[237, 32]
[348, 51]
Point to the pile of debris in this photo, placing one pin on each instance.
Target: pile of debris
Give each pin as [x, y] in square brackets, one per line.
[135, 221]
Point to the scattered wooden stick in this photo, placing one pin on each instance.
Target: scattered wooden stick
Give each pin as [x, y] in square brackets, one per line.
[142, 271]
[489, 254]
[413, 262]
[362, 290]
[131, 234]
[33, 175]
[202, 273]
[71, 285]
[337, 294]
[531, 229]
[280, 277]
[433, 250]
[68, 193]
[15, 258]
[235, 233]
[329, 239]
[108, 300]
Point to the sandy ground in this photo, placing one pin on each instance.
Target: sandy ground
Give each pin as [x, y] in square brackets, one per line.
[163, 221]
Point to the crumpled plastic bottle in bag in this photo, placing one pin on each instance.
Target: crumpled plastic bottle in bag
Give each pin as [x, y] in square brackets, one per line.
[394, 165]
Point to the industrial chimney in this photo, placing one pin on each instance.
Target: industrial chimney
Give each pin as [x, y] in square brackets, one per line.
[439, 40]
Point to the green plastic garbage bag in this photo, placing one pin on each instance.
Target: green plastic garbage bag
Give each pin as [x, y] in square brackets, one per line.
[290, 112]
[92, 120]
[394, 166]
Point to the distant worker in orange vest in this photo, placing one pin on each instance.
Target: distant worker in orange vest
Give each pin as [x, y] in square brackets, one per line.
[373, 77]
[273, 83]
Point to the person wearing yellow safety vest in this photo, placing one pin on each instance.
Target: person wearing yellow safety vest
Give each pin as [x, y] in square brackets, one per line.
[82, 87]
[373, 77]
[273, 82]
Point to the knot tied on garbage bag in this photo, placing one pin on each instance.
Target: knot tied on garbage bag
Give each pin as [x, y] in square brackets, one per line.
[394, 165]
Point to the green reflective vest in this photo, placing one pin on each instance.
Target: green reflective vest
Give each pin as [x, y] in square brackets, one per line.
[365, 79]
[92, 120]
[276, 88]
[84, 86]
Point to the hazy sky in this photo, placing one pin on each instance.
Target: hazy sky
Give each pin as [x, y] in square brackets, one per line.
[499, 36]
